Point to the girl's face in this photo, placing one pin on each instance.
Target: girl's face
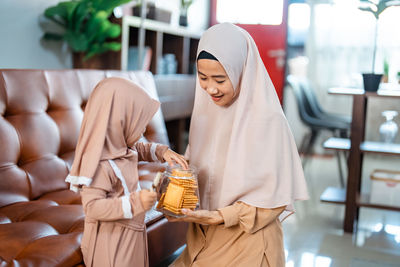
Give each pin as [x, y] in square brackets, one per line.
[214, 80]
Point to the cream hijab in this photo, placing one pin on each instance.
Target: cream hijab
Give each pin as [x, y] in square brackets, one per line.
[115, 117]
[244, 152]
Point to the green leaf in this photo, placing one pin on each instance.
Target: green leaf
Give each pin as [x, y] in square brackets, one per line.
[101, 15]
[98, 49]
[369, 9]
[368, 1]
[53, 36]
[103, 31]
[114, 46]
[381, 7]
[96, 27]
[77, 41]
[112, 31]
[61, 10]
[93, 25]
[377, 8]
[95, 49]
[59, 22]
[81, 12]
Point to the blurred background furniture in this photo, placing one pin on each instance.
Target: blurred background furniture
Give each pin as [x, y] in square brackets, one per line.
[357, 147]
[41, 220]
[317, 119]
[176, 93]
[163, 39]
[175, 89]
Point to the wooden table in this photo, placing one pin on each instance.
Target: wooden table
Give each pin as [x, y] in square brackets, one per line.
[352, 197]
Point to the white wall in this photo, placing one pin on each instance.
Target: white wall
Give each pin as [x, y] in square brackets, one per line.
[20, 37]
[199, 15]
[22, 26]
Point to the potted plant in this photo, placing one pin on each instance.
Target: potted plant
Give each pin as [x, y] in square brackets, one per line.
[87, 29]
[372, 80]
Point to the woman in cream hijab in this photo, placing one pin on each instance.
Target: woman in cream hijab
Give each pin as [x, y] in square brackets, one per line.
[105, 165]
[249, 168]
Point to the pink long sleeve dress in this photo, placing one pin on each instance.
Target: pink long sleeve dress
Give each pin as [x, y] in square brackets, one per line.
[113, 235]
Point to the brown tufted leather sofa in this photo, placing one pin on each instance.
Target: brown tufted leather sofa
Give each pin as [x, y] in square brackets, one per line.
[41, 221]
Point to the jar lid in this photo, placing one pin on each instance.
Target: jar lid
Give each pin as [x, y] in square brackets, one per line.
[178, 172]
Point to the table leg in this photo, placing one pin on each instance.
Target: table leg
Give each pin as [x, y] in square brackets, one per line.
[355, 162]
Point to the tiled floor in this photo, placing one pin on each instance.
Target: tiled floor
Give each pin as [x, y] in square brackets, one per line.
[314, 235]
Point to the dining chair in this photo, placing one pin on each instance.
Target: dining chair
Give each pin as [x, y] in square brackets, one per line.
[317, 119]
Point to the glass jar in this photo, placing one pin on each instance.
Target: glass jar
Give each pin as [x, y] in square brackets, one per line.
[178, 190]
[388, 129]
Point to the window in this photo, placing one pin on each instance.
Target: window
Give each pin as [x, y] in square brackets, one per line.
[298, 23]
[266, 12]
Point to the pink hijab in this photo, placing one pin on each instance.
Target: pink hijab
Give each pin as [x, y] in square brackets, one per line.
[244, 152]
[115, 117]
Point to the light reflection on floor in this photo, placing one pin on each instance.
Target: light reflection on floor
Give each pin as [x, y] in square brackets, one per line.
[310, 259]
[314, 235]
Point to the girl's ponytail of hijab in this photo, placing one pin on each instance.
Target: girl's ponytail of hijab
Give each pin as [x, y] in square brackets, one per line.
[205, 55]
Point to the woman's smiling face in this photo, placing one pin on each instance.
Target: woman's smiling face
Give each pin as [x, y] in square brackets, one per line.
[215, 81]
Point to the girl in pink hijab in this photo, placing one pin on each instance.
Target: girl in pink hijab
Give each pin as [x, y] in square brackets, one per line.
[105, 165]
[249, 168]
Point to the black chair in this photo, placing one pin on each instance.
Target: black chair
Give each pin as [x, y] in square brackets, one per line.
[312, 114]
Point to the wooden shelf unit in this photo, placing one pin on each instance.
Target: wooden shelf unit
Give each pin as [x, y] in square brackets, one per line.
[343, 144]
[352, 197]
[162, 38]
[334, 195]
[337, 195]
[363, 201]
[176, 91]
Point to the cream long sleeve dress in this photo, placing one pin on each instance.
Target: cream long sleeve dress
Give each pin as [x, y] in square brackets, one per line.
[249, 237]
[247, 160]
[110, 237]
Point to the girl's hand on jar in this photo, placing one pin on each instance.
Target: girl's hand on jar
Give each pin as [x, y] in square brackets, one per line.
[174, 158]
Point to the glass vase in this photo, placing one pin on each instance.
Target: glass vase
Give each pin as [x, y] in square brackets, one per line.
[388, 130]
